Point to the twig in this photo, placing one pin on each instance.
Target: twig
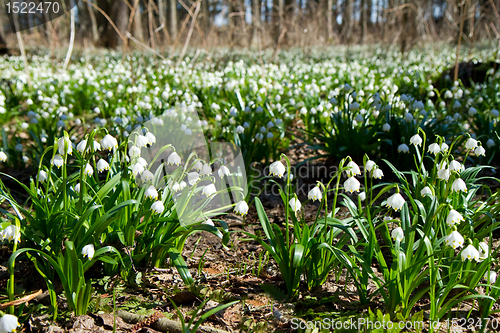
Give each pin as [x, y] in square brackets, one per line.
[190, 32]
[124, 40]
[164, 324]
[191, 14]
[135, 40]
[20, 301]
[71, 39]
[23, 52]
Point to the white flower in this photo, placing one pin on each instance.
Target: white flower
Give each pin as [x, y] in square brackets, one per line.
[88, 251]
[223, 171]
[77, 188]
[295, 204]
[386, 127]
[444, 147]
[3, 156]
[240, 129]
[81, 146]
[351, 184]
[141, 141]
[471, 144]
[480, 151]
[362, 196]
[109, 142]
[241, 208]
[483, 251]
[176, 187]
[11, 233]
[102, 165]
[315, 194]
[434, 148]
[8, 323]
[206, 170]
[353, 169]
[182, 184]
[369, 165]
[403, 148]
[174, 159]
[456, 166]
[494, 113]
[88, 170]
[416, 140]
[137, 169]
[134, 151]
[470, 253]
[395, 201]
[397, 234]
[490, 143]
[42, 176]
[209, 222]
[147, 176]
[151, 193]
[151, 138]
[454, 240]
[198, 165]
[491, 277]
[426, 190]
[454, 217]
[64, 146]
[209, 190]
[142, 162]
[444, 174]
[193, 177]
[157, 207]
[458, 185]
[57, 161]
[378, 173]
[472, 111]
[277, 169]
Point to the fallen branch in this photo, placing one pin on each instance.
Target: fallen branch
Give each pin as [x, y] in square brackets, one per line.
[163, 324]
[20, 301]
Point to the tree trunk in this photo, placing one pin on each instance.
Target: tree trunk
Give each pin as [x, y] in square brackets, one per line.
[138, 33]
[347, 21]
[255, 21]
[329, 19]
[93, 20]
[173, 19]
[363, 20]
[3, 45]
[119, 15]
[161, 15]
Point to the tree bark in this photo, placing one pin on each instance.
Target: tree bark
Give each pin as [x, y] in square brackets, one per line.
[119, 13]
[363, 20]
[173, 19]
[255, 22]
[161, 15]
[347, 21]
[138, 33]
[93, 20]
[329, 19]
[3, 45]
